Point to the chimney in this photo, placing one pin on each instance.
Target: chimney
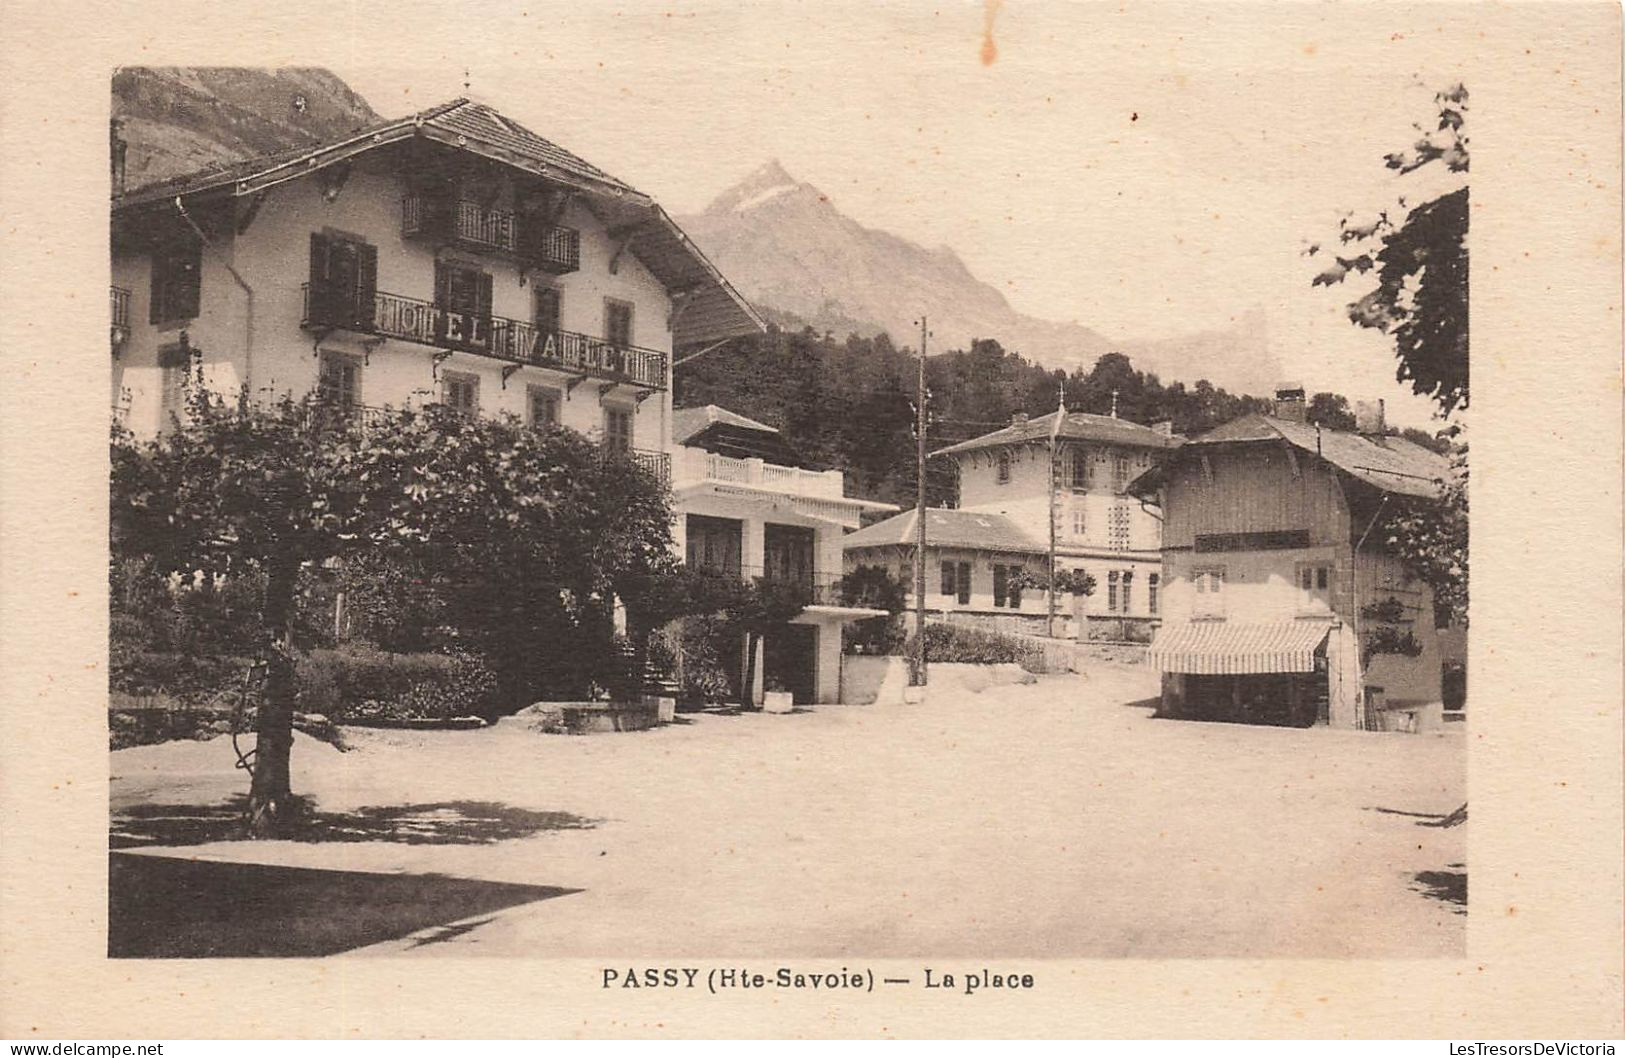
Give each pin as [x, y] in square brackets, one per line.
[1370, 418]
[1165, 427]
[117, 148]
[1018, 418]
[1290, 401]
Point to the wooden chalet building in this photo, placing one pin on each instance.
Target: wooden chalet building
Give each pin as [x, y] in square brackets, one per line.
[1281, 601]
[452, 256]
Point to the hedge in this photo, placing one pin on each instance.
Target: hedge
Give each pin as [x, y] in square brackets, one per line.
[364, 684]
[976, 646]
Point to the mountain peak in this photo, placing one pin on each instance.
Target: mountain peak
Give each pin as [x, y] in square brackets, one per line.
[766, 183]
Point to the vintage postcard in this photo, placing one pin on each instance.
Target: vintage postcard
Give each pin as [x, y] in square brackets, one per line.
[857, 520]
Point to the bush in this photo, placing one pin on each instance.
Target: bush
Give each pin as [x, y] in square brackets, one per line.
[365, 684]
[702, 644]
[189, 679]
[976, 646]
[877, 588]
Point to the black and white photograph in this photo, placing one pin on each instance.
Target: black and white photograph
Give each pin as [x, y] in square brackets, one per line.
[965, 486]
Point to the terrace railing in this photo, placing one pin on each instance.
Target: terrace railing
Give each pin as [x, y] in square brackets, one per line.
[812, 589]
[694, 465]
[553, 248]
[425, 323]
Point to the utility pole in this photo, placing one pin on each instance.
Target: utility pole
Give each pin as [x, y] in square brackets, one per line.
[1054, 471]
[919, 517]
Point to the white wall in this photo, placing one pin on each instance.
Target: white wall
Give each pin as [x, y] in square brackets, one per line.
[1025, 497]
[1259, 586]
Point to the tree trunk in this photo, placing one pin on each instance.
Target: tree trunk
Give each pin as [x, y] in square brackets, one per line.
[748, 691]
[270, 798]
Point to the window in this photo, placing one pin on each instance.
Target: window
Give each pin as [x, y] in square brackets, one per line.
[1120, 521]
[617, 322]
[339, 383]
[1007, 586]
[1111, 592]
[460, 392]
[1127, 586]
[1080, 522]
[343, 282]
[1209, 595]
[618, 429]
[545, 310]
[714, 544]
[1152, 583]
[1004, 468]
[1083, 477]
[542, 404]
[1122, 470]
[956, 581]
[177, 281]
[1314, 585]
[462, 288]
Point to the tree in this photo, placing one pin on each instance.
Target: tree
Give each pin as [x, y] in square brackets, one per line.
[1421, 300]
[1330, 410]
[1420, 264]
[515, 519]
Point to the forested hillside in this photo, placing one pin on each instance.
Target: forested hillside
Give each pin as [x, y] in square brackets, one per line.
[849, 404]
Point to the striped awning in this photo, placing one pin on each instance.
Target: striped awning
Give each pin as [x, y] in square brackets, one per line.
[1223, 648]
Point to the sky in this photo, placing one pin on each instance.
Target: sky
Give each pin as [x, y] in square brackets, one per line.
[1143, 173]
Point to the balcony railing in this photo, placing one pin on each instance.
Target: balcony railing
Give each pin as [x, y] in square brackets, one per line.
[424, 323]
[694, 465]
[120, 315]
[811, 589]
[552, 248]
[656, 463]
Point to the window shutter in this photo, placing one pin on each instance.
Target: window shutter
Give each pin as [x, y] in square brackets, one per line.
[366, 284]
[485, 294]
[442, 285]
[191, 280]
[319, 298]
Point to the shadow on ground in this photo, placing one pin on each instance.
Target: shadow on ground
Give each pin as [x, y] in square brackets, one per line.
[1449, 886]
[439, 823]
[1402, 812]
[160, 907]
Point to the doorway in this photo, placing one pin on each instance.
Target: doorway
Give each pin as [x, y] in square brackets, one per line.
[790, 661]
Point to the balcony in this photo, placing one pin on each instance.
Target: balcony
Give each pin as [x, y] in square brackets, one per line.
[695, 466]
[121, 317]
[656, 463]
[810, 589]
[514, 341]
[551, 248]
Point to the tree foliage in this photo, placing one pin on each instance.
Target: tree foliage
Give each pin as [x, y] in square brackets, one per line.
[511, 522]
[1419, 263]
[1421, 297]
[850, 404]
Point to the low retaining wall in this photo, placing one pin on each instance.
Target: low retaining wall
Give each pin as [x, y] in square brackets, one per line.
[870, 680]
[589, 718]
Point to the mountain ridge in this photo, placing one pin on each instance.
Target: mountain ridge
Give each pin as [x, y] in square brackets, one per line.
[792, 252]
[178, 120]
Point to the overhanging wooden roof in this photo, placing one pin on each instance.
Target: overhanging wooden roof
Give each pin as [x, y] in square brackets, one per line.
[706, 307]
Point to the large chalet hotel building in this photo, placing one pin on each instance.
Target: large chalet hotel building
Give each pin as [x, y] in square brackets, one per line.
[454, 257]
